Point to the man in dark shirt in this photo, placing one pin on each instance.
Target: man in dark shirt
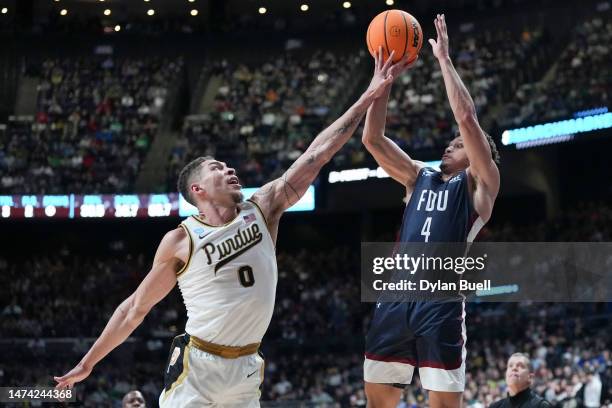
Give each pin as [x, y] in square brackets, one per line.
[519, 376]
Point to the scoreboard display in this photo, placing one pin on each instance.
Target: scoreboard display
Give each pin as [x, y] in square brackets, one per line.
[114, 205]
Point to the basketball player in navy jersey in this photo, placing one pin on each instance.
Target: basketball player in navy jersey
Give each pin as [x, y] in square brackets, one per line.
[450, 205]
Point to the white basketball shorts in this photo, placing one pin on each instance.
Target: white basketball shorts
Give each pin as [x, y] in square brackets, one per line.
[195, 378]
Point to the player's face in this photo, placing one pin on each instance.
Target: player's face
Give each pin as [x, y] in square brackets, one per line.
[220, 183]
[517, 373]
[134, 399]
[454, 158]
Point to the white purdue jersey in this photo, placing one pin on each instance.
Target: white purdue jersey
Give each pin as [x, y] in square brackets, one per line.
[229, 281]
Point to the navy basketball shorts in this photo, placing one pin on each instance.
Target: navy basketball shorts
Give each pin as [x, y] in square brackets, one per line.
[429, 335]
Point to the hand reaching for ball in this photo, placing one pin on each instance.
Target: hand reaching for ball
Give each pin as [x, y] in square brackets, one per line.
[382, 78]
[440, 46]
[386, 72]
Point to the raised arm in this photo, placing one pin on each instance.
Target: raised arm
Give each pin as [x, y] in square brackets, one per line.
[482, 166]
[387, 154]
[171, 255]
[278, 195]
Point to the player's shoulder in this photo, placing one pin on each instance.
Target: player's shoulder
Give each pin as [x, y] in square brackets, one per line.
[247, 204]
[175, 237]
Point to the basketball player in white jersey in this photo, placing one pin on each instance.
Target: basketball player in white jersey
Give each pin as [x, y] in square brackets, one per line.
[224, 262]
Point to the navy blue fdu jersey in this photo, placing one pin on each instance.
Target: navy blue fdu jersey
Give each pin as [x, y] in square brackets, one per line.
[440, 211]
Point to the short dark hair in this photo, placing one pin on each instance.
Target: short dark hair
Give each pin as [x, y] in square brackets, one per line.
[526, 357]
[494, 152]
[184, 178]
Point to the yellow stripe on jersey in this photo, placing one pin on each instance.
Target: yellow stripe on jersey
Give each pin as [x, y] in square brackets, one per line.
[184, 268]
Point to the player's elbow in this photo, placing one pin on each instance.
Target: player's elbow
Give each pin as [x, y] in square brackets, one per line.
[467, 117]
[368, 139]
[133, 312]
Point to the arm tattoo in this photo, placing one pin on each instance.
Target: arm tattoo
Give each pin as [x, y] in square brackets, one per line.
[347, 125]
[285, 184]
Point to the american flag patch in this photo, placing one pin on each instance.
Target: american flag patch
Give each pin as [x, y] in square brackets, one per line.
[249, 218]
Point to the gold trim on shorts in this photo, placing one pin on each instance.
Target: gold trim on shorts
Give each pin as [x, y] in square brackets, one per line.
[223, 351]
[181, 377]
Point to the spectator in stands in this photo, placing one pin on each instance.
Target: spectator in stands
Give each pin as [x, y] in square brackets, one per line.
[519, 378]
[133, 399]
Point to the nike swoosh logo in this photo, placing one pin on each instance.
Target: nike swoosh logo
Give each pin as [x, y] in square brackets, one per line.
[252, 373]
[202, 236]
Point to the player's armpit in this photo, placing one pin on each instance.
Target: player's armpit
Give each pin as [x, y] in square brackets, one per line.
[393, 160]
[278, 195]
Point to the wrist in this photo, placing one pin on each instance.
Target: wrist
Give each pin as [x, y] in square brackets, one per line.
[365, 100]
[445, 60]
[86, 364]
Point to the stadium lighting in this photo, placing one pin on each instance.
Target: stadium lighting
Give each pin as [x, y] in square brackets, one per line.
[146, 1]
[389, 2]
[107, 12]
[151, 12]
[346, 4]
[63, 12]
[555, 132]
[304, 7]
[117, 28]
[194, 12]
[4, 10]
[191, 1]
[262, 10]
[57, 1]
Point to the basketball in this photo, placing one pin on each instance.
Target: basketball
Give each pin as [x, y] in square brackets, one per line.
[395, 30]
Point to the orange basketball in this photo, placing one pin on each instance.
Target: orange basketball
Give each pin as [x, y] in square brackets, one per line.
[395, 30]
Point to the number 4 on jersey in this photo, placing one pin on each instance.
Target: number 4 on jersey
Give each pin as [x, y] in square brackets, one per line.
[425, 230]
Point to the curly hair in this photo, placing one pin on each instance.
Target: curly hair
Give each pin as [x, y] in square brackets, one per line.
[494, 152]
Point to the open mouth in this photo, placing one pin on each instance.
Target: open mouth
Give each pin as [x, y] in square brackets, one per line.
[233, 181]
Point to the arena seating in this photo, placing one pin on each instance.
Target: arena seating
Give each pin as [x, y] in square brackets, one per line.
[265, 114]
[582, 79]
[96, 119]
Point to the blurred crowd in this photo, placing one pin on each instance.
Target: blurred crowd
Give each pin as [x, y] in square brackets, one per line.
[265, 115]
[581, 80]
[96, 119]
[55, 307]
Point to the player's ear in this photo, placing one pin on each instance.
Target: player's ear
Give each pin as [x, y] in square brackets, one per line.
[196, 189]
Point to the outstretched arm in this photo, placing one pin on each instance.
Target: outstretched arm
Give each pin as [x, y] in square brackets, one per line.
[278, 195]
[397, 163]
[482, 166]
[132, 311]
